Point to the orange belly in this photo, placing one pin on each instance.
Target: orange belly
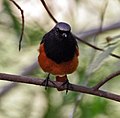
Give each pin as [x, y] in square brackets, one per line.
[57, 69]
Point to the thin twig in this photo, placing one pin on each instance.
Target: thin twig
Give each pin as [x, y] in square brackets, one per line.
[76, 104]
[95, 30]
[111, 76]
[95, 47]
[103, 16]
[6, 88]
[50, 14]
[22, 30]
[85, 42]
[72, 87]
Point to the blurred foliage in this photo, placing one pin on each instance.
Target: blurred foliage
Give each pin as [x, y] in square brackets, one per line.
[28, 101]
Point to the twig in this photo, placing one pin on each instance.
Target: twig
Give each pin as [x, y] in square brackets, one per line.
[22, 30]
[76, 104]
[95, 30]
[83, 41]
[72, 87]
[101, 83]
[50, 14]
[95, 47]
[103, 16]
[6, 88]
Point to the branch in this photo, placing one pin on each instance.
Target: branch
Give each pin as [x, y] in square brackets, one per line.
[26, 71]
[101, 83]
[72, 87]
[94, 31]
[50, 14]
[94, 47]
[22, 14]
[103, 16]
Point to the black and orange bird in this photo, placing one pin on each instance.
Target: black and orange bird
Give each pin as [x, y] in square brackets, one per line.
[58, 53]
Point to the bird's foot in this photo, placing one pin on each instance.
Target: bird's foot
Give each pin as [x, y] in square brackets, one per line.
[45, 82]
[67, 84]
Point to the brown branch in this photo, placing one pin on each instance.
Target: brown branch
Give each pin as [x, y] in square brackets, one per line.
[111, 76]
[95, 30]
[22, 14]
[85, 42]
[95, 47]
[72, 87]
[25, 71]
[50, 14]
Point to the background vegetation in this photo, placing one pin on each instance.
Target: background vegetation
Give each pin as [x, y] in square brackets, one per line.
[28, 101]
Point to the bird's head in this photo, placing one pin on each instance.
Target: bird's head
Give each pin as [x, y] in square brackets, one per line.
[62, 29]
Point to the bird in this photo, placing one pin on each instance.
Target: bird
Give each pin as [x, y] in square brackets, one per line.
[58, 53]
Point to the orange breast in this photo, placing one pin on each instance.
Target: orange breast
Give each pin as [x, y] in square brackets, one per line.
[57, 69]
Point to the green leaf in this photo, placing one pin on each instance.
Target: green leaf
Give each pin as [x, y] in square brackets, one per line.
[97, 62]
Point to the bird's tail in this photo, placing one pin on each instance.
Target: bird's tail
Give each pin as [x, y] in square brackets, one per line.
[61, 79]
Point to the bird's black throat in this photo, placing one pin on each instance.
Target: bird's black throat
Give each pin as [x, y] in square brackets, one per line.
[57, 49]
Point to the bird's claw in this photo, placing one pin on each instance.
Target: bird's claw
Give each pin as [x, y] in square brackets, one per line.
[67, 84]
[46, 81]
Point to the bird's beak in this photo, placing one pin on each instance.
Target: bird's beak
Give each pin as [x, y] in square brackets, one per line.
[64, 35]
